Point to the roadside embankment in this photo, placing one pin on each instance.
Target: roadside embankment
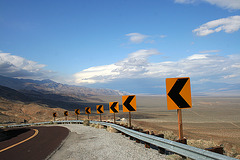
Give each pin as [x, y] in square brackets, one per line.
[86, 142]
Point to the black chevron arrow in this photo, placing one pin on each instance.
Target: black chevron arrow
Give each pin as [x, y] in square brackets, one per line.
[127, 103]
[113, 107]
[99, 108]
[175, 96]
[77, 111]
[87, 110]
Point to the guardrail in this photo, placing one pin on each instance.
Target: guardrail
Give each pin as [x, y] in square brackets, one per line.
[181, 149]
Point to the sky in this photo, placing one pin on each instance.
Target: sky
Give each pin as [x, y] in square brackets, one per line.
[131, 46]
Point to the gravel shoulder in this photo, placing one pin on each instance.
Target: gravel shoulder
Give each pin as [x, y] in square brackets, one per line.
[86, 142]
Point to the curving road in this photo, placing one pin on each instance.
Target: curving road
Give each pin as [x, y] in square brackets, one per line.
[32, 142]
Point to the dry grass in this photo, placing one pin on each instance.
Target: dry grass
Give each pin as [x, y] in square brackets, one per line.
[201, 143]
[86, 123]
[169, 135]
[112, 130]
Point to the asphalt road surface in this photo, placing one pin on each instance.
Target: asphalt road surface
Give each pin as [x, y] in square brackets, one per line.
[31, 142]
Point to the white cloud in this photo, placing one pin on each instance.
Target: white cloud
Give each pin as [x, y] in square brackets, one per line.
[237, 65]
[209, 51]
[15, 66]
[136, 37]
[214, 68]
[228, 25]
[99, 74]
[163, 36]
[134, 65]
[226, 4]
[197, 56]
[185, 1]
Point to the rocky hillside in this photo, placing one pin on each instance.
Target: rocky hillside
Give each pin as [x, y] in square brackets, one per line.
[36, 100]
[17, 111]
[54, 87]
[35, 106]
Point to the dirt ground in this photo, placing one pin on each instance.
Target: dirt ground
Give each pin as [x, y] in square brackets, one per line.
[214, 119]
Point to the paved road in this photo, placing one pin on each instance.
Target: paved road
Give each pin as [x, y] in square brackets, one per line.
[32, 143]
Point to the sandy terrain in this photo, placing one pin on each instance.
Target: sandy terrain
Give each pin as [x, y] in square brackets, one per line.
[211, 118]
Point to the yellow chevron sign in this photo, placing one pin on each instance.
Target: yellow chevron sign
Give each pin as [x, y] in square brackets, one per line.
[54, 114]
[100, 109]
[178, 93]
[129, 103]
[65, 113]
[87, 110]
[113, 107]
[77, 111]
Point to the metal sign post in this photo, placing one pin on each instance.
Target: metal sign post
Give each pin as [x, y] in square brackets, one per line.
[114, 119]
[180, 127]
[130, 121]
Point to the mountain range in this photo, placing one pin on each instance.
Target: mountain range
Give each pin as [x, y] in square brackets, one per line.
[51, 93]
[54, 87]
[36, 100]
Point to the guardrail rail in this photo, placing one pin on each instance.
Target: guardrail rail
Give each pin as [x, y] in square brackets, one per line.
[179, 148]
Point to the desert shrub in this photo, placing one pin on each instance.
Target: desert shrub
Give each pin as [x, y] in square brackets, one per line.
[97, 125]
[233, 153]
[238, 156]
[169, 135]
[112, 130]
[123, 123]
[86, 122]
[201, 143]
[92, 125]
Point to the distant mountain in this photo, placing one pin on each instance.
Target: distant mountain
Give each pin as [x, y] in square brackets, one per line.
[12, 94]
[49, 86]
[35, 100]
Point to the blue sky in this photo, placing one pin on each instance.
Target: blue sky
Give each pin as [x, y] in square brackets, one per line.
[125, 45]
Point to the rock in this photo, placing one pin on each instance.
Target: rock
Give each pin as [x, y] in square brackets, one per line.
[124, 120]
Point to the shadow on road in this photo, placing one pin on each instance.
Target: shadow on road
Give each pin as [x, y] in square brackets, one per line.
[8, 134]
